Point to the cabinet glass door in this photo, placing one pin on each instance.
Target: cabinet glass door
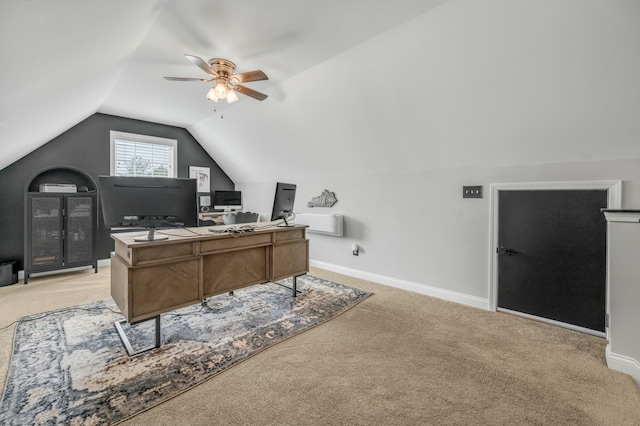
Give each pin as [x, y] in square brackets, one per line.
[46, 232]
[79, 230]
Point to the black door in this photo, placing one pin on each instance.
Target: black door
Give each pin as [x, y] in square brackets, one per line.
[552, 255]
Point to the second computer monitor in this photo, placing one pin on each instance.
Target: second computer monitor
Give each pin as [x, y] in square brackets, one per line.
[283, 201]
[227, 200]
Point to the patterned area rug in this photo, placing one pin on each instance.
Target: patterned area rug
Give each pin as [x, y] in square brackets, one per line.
[70, 367]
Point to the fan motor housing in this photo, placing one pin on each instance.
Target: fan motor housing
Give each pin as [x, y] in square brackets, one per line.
[223, 67]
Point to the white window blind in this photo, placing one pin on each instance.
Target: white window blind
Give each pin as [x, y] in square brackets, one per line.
[142, 155]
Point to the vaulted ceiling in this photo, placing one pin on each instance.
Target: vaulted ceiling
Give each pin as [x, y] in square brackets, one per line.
[356, 87]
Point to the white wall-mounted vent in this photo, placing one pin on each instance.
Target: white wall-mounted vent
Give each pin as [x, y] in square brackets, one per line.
[328, 224]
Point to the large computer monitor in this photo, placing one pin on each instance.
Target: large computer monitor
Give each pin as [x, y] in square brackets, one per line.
[148, 202]
[283, 202]
[227, 200]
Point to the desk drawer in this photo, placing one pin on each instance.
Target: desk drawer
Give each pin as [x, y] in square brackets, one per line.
[289, 259]
[231, 270]
[160, 288]
[234, 242]
[159, 253]
[294, 234]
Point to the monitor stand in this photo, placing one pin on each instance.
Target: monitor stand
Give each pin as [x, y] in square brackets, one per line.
[285, 224]
[150, 237]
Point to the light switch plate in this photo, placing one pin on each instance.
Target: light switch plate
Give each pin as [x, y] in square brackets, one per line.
[472, 192]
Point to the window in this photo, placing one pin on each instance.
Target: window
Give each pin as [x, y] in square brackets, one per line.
[142, 155]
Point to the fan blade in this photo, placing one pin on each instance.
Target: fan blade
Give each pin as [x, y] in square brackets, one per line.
[246, 77]
[187, 79]
[250, 92]
[202, 65]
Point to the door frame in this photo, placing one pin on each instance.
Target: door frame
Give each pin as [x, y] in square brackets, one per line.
[614, 201]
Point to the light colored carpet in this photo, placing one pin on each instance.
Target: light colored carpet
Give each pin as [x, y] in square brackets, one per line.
[396, 358]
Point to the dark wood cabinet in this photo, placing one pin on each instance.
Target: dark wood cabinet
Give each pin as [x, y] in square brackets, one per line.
[60, 229]
[61, 232]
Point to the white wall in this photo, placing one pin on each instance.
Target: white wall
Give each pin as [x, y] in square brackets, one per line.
[417, 232]
[472, 93]
[416, 227]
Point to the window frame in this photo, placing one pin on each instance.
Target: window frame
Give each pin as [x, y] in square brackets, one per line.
[134, 137]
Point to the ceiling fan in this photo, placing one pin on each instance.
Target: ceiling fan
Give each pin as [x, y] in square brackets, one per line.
[226, 82]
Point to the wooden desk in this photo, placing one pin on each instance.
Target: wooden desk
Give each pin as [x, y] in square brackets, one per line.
[149, 278]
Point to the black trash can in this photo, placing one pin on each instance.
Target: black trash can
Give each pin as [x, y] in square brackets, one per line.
[8, 273]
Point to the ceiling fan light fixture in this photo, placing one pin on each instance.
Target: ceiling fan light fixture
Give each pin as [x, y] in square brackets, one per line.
[220, 89]
[231, 96]
[211, 95]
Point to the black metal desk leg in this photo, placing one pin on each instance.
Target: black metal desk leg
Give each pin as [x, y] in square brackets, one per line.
[127, 343]
[295, 286]
[158, 342]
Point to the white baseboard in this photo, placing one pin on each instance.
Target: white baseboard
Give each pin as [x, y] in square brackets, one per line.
[452, 296]
[624, 364]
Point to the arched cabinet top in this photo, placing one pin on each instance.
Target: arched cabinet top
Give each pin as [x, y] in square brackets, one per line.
[61, 175]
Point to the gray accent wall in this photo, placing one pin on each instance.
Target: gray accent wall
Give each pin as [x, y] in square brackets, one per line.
[85, 147]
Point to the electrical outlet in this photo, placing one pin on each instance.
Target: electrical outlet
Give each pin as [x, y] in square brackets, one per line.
[471, 192]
